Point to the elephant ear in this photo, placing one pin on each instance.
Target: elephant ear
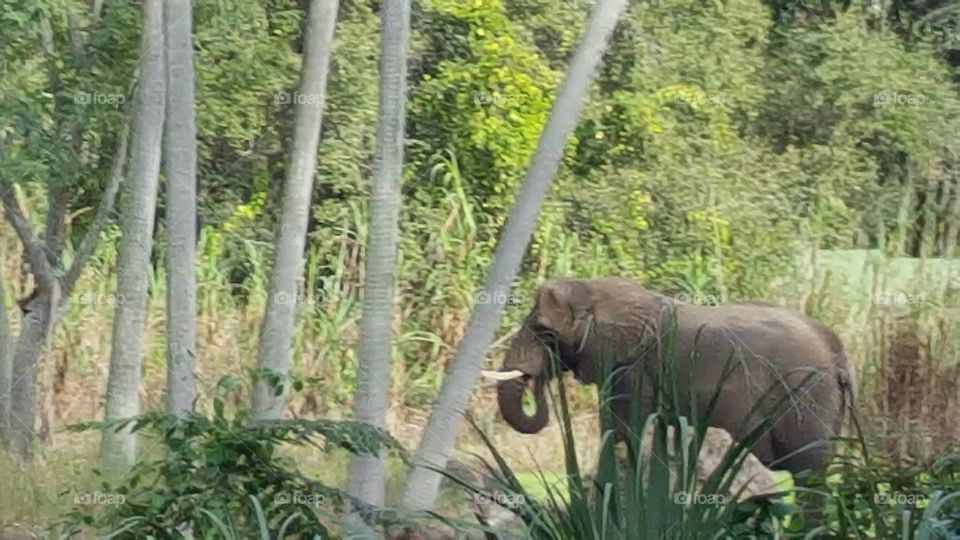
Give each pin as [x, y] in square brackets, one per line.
[562, 303]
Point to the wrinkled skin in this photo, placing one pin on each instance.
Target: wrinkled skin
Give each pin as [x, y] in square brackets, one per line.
[619, 322]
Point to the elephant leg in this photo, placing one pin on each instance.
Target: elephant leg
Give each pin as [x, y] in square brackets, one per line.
[810, 421]
[623, 400]
[785, 445]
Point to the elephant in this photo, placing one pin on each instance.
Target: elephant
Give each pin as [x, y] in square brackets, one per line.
[767, 350]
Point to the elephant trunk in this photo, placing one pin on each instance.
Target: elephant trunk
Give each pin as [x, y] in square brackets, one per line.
[510, 400]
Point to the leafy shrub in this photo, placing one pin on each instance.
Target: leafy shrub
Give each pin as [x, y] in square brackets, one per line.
[874, 492]
[224, 476]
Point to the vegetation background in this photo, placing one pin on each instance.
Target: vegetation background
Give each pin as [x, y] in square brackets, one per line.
[730, 150]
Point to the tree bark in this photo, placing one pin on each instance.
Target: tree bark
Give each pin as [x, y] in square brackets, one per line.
[373, 373]
[276, 331]
[181, 163]
[34, 247]
[6, 364]
[118, 448]
[36, 326]
[33, 336]
[422, 483]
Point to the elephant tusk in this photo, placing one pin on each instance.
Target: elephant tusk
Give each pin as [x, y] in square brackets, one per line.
[588, 323]
[503, 375]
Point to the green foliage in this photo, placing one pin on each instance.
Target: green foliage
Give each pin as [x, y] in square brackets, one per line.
[867, 116]
[486, 100]
[718, 137]
[222, 475]
[872, 491]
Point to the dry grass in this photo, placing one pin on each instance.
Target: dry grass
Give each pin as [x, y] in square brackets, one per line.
[75, 369]
[913, 397]
[907, 392]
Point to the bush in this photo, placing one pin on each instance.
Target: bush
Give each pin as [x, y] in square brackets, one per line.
[224, 476]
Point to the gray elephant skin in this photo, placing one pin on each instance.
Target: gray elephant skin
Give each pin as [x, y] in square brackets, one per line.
[617, 320]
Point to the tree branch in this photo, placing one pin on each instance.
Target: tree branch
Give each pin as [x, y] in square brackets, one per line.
[32, 244]
[89, 242]
[55, 230]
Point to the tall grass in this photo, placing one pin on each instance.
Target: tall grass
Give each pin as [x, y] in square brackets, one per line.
[439, 277]
[654, 490]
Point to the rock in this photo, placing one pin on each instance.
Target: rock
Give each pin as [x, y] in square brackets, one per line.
[754, 478]
[491, 507]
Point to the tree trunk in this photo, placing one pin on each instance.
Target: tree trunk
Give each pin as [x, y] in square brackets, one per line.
[181, 162]
[952, 219]
[903, 218]
[6, 365]
[118, 449]
[373, 373]
[422, 483]
[34, 330]
[36, 326]
[276, 332]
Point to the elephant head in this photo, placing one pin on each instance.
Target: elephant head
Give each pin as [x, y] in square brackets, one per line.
[571, 318]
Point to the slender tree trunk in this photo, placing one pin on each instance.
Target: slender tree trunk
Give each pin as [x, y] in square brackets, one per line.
[33, 336]
[118, 449]
[422, 483]
[181, 163]
[55, 229]
[903, 217]
[373, 373]
[6, 364]
[276, 332]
